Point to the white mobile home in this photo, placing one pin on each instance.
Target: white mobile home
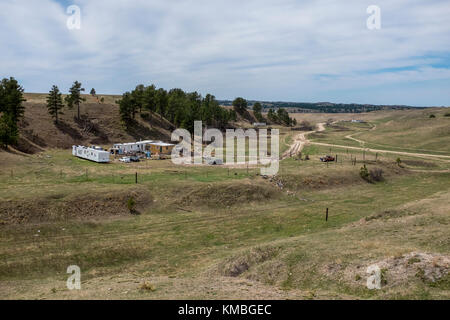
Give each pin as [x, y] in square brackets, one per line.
[132, 147]
[95, 154]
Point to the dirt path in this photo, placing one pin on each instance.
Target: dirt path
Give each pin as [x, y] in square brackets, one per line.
[420, 155]
[350, 137]
[300, 141]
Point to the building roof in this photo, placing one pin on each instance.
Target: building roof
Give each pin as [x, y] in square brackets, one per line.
[151, 142]
[162, 144]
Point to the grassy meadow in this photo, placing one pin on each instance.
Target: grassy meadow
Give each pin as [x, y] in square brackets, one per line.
[218, 232]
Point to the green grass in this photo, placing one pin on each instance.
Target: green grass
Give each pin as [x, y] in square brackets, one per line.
[408, 133]
[183, 242]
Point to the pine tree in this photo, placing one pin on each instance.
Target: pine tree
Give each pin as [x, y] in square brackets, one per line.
[11, 110]
[11, 99]
[55, 103]
[9, 131]
[240, 105]
[126, 109]
[75, 98]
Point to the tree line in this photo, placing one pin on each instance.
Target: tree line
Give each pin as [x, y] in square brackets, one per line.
[183, 108]
[322, 107]
[177, 106]
[55, 102]
[281, 116]
[12, 108]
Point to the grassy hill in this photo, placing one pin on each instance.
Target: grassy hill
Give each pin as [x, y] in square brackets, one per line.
[99, 124]
[218, 232]
[408, 130]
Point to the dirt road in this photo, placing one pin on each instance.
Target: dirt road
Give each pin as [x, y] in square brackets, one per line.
[301, 141]
[420, 155]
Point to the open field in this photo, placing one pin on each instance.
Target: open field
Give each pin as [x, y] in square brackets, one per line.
[222, 233]
[411, 131]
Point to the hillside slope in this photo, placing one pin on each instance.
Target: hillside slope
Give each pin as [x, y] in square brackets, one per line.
[99, 124]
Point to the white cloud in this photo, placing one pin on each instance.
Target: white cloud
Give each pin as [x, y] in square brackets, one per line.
[280, 50]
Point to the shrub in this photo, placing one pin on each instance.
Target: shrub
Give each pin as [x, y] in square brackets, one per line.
[147, 286]
[432, 116]
[376, 175]
[131, 205]
[145, 116]
[364, 173]
[306, 126]
[447, 114]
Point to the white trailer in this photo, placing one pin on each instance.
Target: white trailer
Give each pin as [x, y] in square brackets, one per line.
[95, 154]
[132, 147]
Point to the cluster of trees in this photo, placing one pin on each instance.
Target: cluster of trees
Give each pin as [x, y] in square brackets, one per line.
[11, 111]
[55, 102]
[179, 107]
[281, 116]
[240, 105]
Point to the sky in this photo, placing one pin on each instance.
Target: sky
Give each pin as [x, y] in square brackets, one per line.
[269, 50]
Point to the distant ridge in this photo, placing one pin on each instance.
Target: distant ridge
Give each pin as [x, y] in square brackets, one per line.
[322, 107]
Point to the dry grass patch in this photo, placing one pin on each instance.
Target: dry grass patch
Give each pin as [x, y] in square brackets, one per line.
[229, 194]
[59, 207]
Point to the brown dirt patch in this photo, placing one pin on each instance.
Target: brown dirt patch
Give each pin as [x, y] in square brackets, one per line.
[241, 263]
[402, 270]
[230, 194]
[58, 207]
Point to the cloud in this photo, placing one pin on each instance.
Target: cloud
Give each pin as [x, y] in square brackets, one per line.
[272, 50]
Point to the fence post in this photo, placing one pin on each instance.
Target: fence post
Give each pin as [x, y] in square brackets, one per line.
[326, 218]
[136, 177]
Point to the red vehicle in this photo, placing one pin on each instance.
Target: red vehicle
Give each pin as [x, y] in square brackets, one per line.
[328, 159]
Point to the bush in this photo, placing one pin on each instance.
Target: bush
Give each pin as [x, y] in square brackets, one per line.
[131, 205]
[147, 286]
[432, 116]
[306, 126]
[447, 114]
[364, 173]
[145, 116]
[376, 175]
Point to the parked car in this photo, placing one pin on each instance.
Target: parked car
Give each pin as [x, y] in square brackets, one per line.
[125, 160]
[327, 159]
[134, 159]
[213, 161]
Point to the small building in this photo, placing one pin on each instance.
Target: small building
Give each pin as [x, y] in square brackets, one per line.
[213, 161]
[96, 154]
[259, 124]
[160, 148]
[131, 147]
